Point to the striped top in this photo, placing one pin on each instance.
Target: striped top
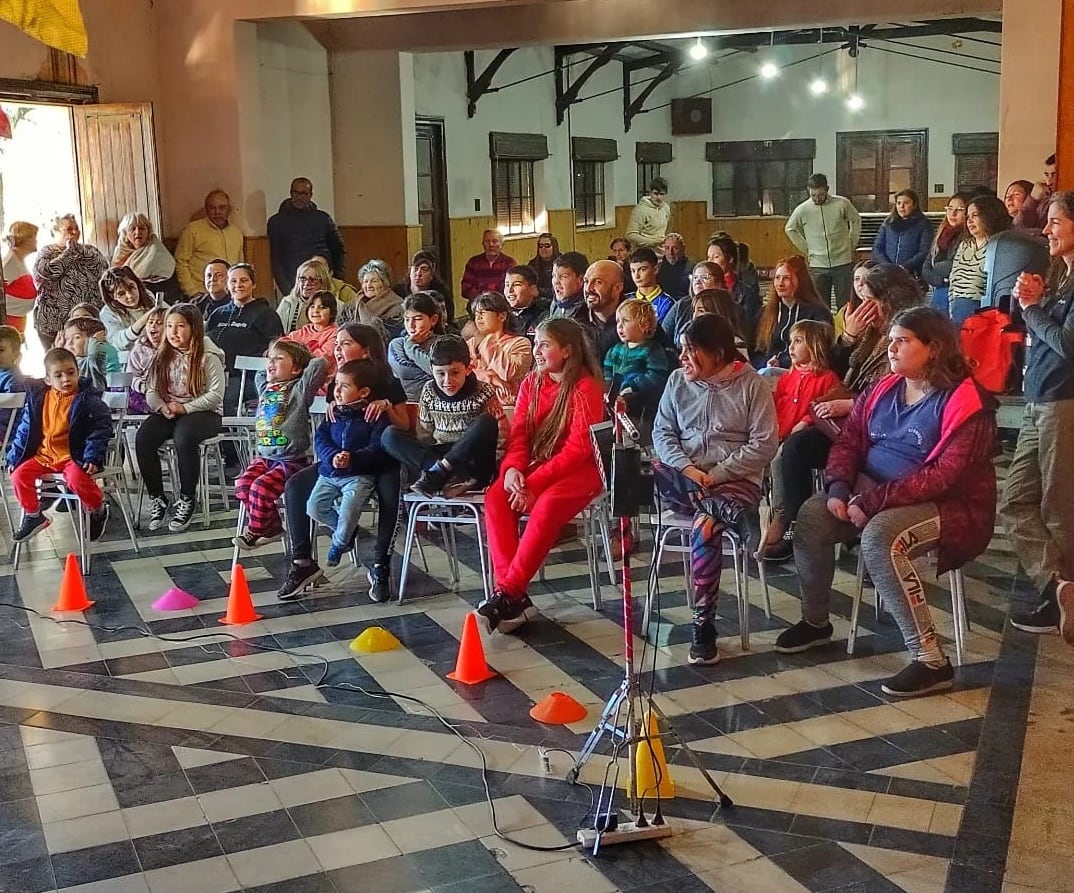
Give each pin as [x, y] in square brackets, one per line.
[968, 278]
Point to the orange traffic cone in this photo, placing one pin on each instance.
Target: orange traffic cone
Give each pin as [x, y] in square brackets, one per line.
[470, 668]
[72, 589]
[240, 607]
[558, 708]
[650, 766]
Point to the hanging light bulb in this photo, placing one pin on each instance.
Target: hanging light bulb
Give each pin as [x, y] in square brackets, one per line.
[855, 102]
[818, 86]
[698, 51]
[769, 71]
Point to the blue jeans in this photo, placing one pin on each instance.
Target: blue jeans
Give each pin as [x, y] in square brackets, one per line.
[962, 309]
[353, 495]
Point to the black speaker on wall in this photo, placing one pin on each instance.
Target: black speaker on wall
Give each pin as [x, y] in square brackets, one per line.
[691, 116]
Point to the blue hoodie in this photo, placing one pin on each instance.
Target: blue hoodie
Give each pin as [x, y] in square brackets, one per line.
[89, 422]
[350, 432]
[12, 381]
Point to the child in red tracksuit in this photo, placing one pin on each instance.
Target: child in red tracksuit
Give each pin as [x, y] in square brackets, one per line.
[549, 472]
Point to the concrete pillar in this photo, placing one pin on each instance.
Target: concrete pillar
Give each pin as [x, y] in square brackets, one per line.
[1029, 94]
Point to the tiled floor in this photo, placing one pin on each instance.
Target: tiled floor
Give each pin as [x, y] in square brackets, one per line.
[210, 763]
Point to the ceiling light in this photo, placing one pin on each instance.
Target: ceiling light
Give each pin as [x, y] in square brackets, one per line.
[698, 51]
[855, 103]
[769, 70]
[818, 86]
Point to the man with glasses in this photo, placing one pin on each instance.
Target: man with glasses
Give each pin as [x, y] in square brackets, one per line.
[300, 230]
[826, 228]
[206, 239]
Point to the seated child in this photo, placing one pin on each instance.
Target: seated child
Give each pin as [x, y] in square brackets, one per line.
[319, 334]
[12, 380]
[285, 391]
[64, 429]
[644, 266]
[85, 338]
[141, 358]
[637, 367]
[461, 426]
[350, 453]
[408, 355]
[809, 378]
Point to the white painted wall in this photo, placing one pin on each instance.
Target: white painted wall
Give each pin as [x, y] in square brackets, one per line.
[285, 117]
[900, 93]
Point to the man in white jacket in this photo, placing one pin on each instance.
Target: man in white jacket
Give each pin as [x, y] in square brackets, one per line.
[826, 228]
[649, 220]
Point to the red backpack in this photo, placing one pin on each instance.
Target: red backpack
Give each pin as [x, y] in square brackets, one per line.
[990, 346]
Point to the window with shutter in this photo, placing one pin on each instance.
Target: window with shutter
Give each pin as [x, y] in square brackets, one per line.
[513, 157]
[759, 177]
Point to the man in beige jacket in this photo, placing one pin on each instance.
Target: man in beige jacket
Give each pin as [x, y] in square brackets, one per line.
[650, 218]
[207, 239]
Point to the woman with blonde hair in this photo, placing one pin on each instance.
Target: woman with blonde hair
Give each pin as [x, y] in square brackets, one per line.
[66, 273]
[139, 248]
[548, 473]
[313, 276]
[20, 240]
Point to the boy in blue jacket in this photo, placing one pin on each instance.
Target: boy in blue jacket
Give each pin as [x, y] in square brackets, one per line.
[64, 429]
[12, 380]
[350, 455]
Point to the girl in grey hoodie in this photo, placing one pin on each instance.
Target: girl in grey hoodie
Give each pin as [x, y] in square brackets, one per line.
[714, 435]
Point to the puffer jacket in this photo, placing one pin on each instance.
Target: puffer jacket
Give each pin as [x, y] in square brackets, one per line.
[89, 425]
[905, 242]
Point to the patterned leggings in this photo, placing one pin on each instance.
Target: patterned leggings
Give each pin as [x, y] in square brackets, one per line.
[683, 496]
[259, 487]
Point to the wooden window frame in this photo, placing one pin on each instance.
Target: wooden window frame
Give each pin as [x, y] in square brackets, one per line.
[759, 178]
[919, 184]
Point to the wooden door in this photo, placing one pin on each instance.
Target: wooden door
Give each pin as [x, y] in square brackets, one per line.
[117, 168]
[432, 192]
[874, 165]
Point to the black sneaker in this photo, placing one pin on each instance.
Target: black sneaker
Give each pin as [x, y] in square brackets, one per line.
[158, 512]
[299, 578]
[516, 612]
[490, 612]
[30, 526]
[457, 486]
[98, 520]
[431, 482]
[248, 541]
[703, 650]
[779, 552]
[184, 512]
[919, 679]
[380, 582]
[803, 636]
[1044, 618]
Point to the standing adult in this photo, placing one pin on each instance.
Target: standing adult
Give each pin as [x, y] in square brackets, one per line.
[649, 220]
[140, 249]
[905, 236]
[1038, 505]
[208, 238]
[486, 271]
[541, 262]
[603, 286]
[675, 267]
[298, 231]
[826, 228]
[20, 240]
[65, 273]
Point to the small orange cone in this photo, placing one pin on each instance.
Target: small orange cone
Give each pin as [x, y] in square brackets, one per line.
[651, 766]
[240, 607]
[72, 589]
[558, 709]
[470, 668]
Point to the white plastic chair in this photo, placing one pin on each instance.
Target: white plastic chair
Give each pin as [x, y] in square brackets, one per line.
[12, 404]
[958, 608]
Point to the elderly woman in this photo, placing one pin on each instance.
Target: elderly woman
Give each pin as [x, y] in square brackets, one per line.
[425, 276]
[706, 275]
[19, 289]
[859, 355]
[377, 305]
[66, 273]
[140, 249]
[911, 473]
[312, 277]
[1038, 505]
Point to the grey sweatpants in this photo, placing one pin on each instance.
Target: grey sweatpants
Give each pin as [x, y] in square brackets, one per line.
[889, 542]
[1037, 506]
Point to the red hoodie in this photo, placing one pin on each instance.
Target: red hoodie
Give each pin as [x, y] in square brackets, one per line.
[958, 475]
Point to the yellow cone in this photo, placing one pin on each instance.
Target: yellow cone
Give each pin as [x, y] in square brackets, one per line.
[374, 639]
[650, 765]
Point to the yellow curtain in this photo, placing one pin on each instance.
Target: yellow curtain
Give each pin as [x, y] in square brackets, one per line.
[57, 23]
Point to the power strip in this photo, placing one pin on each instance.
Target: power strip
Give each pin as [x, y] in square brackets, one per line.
[627, 832]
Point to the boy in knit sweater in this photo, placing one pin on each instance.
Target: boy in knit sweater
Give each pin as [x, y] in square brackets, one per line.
[285, 391]
[462, 428]
[637, 367]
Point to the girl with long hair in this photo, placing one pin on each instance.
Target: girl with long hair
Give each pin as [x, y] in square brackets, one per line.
[986, 216]
[548, 473]
[408, 355]
[500, 356]
[127, 306]
[185, 396]
[905, 236]
[793, 298]
[936, 271]
[912, 473]
[541, 263]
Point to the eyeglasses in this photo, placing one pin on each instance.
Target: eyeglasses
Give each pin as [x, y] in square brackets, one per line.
[955, 209]
[544, 244]
[309, 278]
